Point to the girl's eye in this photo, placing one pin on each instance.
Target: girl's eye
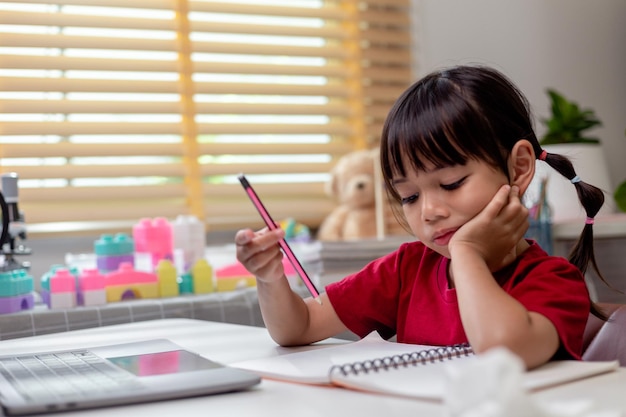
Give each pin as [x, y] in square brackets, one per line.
[454, 185]
[410, 199]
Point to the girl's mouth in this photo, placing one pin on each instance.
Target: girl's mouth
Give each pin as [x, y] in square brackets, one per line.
[442, 239]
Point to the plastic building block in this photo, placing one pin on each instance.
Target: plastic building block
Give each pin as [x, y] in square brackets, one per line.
[62, 300]
[62, 281]
[120, 244]
[234, 283]
[189, 242]
[155, 238]
[185, 284]
[91, 288]
[127, 283]
[62, 289]
[166, 273]
[111, 263]
[232, 277]
[294, 231]
[15, 282]
[16, 291]
[45, 279]
[45, 283]
[17, 303]
[202, 276]
[111, 251]
[91, 279]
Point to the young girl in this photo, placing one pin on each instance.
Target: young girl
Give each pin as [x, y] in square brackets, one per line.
[457, 151]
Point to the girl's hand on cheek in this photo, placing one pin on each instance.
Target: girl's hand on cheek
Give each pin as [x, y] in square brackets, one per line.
[494, 232]
[260, 254]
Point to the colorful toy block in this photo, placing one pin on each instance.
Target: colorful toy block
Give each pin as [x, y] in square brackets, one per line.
[202, 276]
[62, 289]
[294, 231]
[16, 291]
[154, 237]
[185, 284]
[127, 283]
[111, 251]
[46, 280]
[166, 275]
[232, 277]
[189, 242]
[91, 288]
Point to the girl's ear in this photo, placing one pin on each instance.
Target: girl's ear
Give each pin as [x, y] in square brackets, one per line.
[522, 164]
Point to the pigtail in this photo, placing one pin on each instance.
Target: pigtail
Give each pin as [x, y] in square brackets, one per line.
[592, 199]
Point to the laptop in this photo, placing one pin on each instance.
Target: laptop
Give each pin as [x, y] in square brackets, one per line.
[111, 375]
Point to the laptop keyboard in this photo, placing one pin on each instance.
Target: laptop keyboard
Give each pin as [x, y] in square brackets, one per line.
[65, 375]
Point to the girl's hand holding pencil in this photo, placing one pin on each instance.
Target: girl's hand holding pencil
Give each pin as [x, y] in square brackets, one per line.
[260, 254]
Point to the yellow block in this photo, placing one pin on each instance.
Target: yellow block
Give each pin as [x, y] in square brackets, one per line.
[233, 283]
[202, 276]
[166, 275]
[148, 290]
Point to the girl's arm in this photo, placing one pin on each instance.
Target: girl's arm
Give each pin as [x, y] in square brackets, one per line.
[491, 317]
[289, 319]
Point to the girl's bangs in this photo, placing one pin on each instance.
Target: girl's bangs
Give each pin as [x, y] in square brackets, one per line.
[429, 140]
[437, 124]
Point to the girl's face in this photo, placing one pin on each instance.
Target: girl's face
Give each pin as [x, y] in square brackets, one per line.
[438, 201]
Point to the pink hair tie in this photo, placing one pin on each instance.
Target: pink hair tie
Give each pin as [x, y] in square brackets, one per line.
[590, 220]
[542, 155]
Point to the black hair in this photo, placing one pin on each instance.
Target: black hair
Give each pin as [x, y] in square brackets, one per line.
[474, 112]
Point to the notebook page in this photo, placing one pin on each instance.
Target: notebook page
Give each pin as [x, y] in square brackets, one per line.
[423, 381]
[313, 366]
[559, 372]
[428, 381]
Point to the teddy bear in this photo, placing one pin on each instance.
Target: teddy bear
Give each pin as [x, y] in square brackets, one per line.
[352, 185]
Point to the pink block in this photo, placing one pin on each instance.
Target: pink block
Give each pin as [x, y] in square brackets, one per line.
[153, 236]
[126, 274]
[91, 279]
[238, 270]
[62, 281]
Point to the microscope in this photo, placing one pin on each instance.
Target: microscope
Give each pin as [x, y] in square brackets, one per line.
[13, 226]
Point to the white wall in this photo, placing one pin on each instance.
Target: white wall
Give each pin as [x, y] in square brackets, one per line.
[577, 47]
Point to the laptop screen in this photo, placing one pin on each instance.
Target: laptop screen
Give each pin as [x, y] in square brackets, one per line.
[161, 363]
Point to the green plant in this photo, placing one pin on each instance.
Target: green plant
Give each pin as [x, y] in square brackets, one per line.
[568, 122]
[620, 196]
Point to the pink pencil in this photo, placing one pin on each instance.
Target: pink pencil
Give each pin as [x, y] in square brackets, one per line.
[283, 243]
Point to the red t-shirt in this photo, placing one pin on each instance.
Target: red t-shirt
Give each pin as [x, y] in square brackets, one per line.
[406, 293]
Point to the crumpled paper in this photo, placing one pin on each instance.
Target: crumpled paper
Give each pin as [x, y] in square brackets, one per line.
[491, 386]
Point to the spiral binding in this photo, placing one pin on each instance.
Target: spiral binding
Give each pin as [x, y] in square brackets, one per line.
[422, 357]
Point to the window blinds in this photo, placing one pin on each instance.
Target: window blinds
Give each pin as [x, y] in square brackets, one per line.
[114, 110]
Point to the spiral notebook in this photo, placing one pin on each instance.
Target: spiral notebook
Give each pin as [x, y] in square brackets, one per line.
[375, 365]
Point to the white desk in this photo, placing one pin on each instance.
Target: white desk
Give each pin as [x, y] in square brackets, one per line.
[229, 343]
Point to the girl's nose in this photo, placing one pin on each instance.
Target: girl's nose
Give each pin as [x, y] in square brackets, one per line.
[432, 208]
